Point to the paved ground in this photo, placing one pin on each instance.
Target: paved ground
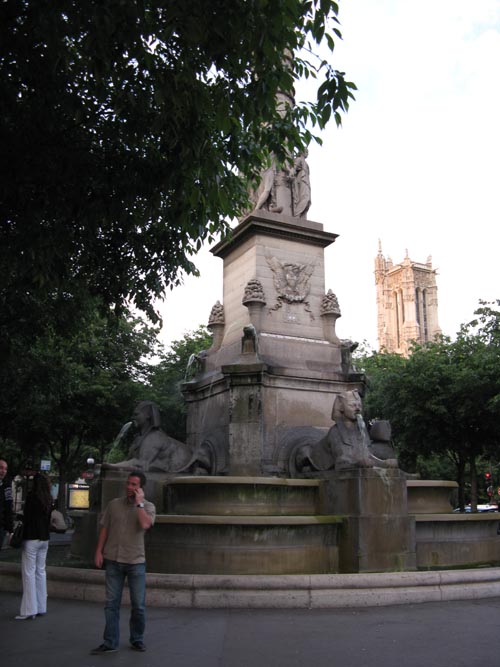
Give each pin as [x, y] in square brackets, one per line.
[448, 634]
[425, 635]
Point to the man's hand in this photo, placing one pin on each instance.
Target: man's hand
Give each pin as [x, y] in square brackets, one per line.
[139, 495]
[98, 559]
[101, 540]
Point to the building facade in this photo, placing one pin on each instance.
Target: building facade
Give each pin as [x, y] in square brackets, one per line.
[407, 303]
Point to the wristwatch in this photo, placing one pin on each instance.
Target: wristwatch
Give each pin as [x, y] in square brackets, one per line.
[140, 505]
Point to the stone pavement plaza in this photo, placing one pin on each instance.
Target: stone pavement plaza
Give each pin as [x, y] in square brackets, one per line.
[433, 634]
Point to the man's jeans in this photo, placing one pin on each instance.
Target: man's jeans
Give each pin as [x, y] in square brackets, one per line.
[116, 573]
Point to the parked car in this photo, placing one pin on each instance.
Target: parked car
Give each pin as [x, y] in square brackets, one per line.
[480, 508]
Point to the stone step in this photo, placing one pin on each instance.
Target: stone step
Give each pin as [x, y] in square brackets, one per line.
[319, 591]
[248, 520]
[430, 496]
[252, 496]
[183, 544]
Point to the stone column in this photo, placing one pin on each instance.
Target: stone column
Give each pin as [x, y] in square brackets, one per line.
[378, 535]
[216, 326]
[245, 418]
[330, 312]
[255, 300]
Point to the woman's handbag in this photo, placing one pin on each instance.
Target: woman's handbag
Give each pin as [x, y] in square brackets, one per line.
[16, 539]
[57, 522]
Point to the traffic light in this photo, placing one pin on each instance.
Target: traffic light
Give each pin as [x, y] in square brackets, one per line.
[488, 481]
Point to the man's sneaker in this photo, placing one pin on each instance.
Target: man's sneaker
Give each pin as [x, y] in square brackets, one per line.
[102, 649]
[137, 646]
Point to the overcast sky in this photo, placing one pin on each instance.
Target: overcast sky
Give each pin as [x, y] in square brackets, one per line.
[415, 164]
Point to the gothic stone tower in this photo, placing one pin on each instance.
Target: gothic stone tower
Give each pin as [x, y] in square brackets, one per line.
[407, 303]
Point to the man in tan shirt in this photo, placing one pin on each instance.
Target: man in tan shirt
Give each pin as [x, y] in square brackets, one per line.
[120, 548]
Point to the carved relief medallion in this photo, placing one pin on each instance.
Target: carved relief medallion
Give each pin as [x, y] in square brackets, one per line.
[292, 282]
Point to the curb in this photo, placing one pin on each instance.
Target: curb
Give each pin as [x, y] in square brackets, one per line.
[317, 591]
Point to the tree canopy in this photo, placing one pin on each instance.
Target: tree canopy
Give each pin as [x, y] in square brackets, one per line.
[65, 396]
[445, 398]
[165, 379]
[129, 131]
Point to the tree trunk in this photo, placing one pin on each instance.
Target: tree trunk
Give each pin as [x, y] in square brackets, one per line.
[61, 501]
[461, 483]
[473, 483]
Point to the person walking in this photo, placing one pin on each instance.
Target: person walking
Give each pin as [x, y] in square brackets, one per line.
[120, 549]
[36, 533]
[6, 523]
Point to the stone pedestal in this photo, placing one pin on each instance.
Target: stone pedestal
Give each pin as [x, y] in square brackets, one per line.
[457, 540]
[329, 321]
[430, 496]
[251, 415]
[245, 418]
[243, 525]
[378, 534]
[217, 331]
[280, 363]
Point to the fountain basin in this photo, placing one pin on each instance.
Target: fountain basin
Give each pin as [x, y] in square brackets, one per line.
[429, 496]
[355, 521]
[457, 540]
[234, 545]
[262, 496]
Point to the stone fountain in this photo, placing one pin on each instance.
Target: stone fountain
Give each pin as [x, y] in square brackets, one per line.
[279, 474]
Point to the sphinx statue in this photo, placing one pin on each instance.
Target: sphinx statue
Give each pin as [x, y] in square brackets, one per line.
[346, 445]
[152, 450]
[381, 440]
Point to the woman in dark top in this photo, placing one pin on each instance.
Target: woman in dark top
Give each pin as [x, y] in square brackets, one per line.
[37, 509]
